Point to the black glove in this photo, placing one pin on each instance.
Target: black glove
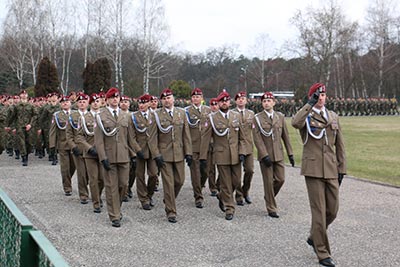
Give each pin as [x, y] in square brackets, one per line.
[314, 98]
[76, 151]
[203, 165]
[140, 154]
[159, 161]
[340, 178]
[106, 164]
[133, 162]
[92, 151]
[267, 161]
[241, 158]
[52, 152]
[189, 160]
[291, 160]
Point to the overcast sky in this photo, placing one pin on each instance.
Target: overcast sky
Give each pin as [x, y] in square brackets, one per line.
[196, 25]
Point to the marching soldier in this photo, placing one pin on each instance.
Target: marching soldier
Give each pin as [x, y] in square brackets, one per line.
[213, 183]
[141, 120]
[82, 102]
[52, 106]
[270, 128]
[323, 165]
[170, 144]
[114, 142]
[229, 146]
[58, 141]
[23, 116]
[197, 114]
[153, 107]
[85, 139]
[246, 120]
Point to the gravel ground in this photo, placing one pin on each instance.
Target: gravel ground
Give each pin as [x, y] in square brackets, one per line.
[366, 232]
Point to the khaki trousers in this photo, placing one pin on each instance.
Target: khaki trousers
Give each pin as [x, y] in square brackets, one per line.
[196, 178]
[96, 180]
[212, 183]
[173, 177]
[323, 195]
[273, 179]
[145, 191]
[67, 168]
[116, 183]
[82, 177]
[248, 167]
[229, 180]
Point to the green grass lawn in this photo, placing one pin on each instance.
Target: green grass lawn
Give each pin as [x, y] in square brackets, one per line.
[372, 147]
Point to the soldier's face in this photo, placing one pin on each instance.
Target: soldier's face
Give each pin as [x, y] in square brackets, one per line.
[196, 99]
[82, 104]
[23, 96]
[224, 104]
[168, 101]
[321, 101]
[154, 104]
[144, 106]
[113, 102]
[214, 107]
[65, 105]
[124, 104]
[95, 105]
[268, 104]
[241, 101]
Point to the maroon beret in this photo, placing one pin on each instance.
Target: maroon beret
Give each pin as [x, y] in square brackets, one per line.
[22, 92]
[64, 98]
[166, 92]
[112, 92]
[240, 94]
[214, 101]
[315, 87]
[145, 98]
[93, 97]
[102, 94]
[197, 91]
[267, 95]
[153, 97]
[82, 96]
[124, 97]
[223, 96]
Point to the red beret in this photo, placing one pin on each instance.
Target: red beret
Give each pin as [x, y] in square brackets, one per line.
[166, 92]
[22, 92]
[82, 96]
[145, 98]
[267, 95]
[93, 97]
[197, 91]
[153, 97]
[223, 96]
[124, 97]
[64, 98]
[315, 87]
[112, 92]
[16, 97]
[213, 101]
[102, 94]
[240, 94]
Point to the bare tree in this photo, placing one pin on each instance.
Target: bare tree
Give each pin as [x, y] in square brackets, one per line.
[383, 33]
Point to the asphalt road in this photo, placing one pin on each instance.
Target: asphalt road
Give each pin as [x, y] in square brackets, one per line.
[365, 233]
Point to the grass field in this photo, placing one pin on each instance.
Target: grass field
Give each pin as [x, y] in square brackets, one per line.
[372, 147]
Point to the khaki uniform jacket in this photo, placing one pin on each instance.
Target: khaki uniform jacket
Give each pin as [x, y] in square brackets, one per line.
[73, 127]
[196, 120]
[172, 145]
[57, 135]
[228, 147]
[141, 130]
[119, 147]
[247, 121]
[85, 134]
[324, 157]
[271, 145]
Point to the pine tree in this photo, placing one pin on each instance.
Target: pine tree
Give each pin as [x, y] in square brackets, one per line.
[47, 78]
[97, 76]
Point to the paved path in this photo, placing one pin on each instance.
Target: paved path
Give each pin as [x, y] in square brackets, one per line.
[366, 232]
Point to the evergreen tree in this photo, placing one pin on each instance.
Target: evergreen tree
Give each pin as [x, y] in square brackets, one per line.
[180, 88]
[97, 76]
[47, 78]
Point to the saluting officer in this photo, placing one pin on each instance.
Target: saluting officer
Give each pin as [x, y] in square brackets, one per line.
[85, 139]
[115, 147]
[58, 140]
[225, 128]
[270, 128]
[246, 119]
[197, 115]
[170, 143]
[323, 165]
[141, 120]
